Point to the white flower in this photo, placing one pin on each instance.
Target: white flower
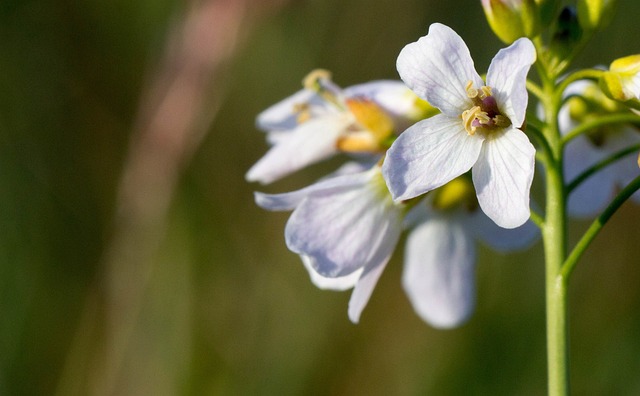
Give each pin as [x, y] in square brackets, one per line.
[322, 120]
[478, 127]
[345, 228]
[593, 195]
[439, 272]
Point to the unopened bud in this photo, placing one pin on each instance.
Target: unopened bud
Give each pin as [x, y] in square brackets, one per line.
[595, 14]
[512, 19]
[566, 35]
[622, 81]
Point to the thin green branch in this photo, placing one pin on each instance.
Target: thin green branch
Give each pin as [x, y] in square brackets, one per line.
[585, 74]
[600, 165]
[537, 218]
[542, 141]
[535, 89]
[582, 245]
[617, 118]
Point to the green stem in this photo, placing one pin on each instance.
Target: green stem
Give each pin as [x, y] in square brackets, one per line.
[554, 237]
[600, 165]
[554, 234]
[597, 225]
[619, 118]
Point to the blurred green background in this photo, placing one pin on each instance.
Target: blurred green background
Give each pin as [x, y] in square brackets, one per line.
[190, 290]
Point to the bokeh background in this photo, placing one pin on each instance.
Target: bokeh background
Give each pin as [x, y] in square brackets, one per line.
[133, 260]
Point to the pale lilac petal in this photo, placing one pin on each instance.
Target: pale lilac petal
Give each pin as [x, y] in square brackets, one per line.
[592, 196]
[283, 115]
[502, 239]
[437, 68]
[309, 143]
[429, 154]
[502, 177]
[322, 282]
[439, 272]
[328, 186]
[507, 77]
[362, 292]
[626, 169]
[345, 230]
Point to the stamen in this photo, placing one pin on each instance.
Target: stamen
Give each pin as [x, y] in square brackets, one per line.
[313, 80]
[485, 92]
[471, 91]
[304, 112]
[469, 116]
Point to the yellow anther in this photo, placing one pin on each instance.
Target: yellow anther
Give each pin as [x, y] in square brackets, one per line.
[485, 92]
[468, 116]
[371, 117]
[312, 80]
[501, 121]
[471, 91]
[358, 143]
[303, 112]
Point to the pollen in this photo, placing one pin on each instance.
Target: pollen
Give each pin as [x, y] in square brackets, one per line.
[473, 118]
[485, 113]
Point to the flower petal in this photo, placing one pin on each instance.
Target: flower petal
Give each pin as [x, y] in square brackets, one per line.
[507, 76]
[310, 142]
[362, 292]
[437, 68]
[284, 116]
[392, 96]
[338, 284]
[429, 154]
[439, 272]
[330, 185]
[502, 239]
[345, 230]
[502, 177]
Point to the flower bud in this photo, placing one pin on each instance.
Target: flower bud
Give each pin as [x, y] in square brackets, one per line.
[595, 14]
[622, 81]
[512, 19]
[566, 35]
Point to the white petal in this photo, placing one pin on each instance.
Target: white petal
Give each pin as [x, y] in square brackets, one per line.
[322, 282]
[429, 154]
[392, 96]
[502, 177]
[345, 230]
[330, 185]
[310, 142]
[362, 292]
[502, 239]
[507, 76]
[437, 68]
[439, 272]
[283, 115]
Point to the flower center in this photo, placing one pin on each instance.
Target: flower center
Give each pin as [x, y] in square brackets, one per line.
[458, 193]
[484, 113]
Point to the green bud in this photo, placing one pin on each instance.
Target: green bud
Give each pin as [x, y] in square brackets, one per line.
[620, 82]
[566, 35]
[595, 14]
[512, 19]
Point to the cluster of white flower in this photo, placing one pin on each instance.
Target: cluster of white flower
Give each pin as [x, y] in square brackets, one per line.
[346, 226]
[444, 156]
